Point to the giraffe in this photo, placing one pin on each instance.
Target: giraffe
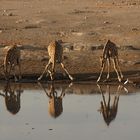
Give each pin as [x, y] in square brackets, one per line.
[55, 52]
[12, 97]
[109, 111]
[110, 52]
[12, 58]
[55, 106]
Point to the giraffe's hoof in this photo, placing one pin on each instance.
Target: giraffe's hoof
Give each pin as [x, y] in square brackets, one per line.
[71, 78]
[39, 78]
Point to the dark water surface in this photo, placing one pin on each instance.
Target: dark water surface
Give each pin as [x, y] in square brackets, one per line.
[69, 112]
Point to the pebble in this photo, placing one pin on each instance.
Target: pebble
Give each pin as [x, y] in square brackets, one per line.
[106, 22]
[5, 13]
[21, 21]
[67, 46]
[78, 33]
[134, 29]
[78, 46]
[85, 17]
[9, 14]
[62, 34]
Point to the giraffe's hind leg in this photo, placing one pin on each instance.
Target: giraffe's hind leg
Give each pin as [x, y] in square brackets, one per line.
[51, 74]
[19, 68]
[64, 68]
[108, 63]
[14, 72]
[51, 71]
[115, 67]
[19, 71]
[103, 67]
[7, 71]
[118, 65]
[109, 97]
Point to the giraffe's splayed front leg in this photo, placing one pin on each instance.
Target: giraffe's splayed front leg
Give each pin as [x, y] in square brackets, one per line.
[51, 74]
[71, 78]
[64, 68]
[119, 79]
[98, 79]
[121, 75]
[39, 78]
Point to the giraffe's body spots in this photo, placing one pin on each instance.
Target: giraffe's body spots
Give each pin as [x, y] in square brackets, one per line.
[55, 51]
[11, 59]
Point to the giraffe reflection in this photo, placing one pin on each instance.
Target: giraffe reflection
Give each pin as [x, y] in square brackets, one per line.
[55, 106]
[12, 98]
[108, 110]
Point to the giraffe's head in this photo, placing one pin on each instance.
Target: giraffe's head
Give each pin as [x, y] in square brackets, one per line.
[55, 106]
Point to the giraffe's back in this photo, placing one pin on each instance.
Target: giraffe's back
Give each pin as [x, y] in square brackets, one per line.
[13, 55]
[111, 50]
[55, 51]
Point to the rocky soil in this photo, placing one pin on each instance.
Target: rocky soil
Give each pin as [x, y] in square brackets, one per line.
[83, 25]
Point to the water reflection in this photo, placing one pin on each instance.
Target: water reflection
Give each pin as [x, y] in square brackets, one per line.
[55, 105]
[56, 93]
[74, 108]
[108, 110]
[12, 97]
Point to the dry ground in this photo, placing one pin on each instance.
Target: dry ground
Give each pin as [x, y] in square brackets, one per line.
[84, 25]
